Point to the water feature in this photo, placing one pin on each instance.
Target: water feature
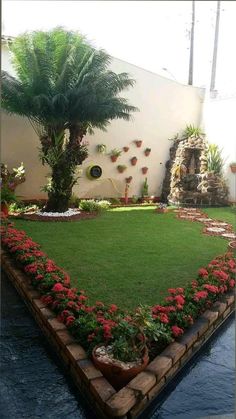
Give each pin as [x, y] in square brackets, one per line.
[34, 385]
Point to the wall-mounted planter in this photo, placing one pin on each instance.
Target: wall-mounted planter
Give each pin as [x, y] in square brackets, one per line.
[128, 179]
[101, 148]
[126, 149]
[134, 161]
[147, 151]
[114, 158]
[138, 143]
[121, 168]
[94, 172]
[233, 167]
[144, 170]
[114, 154]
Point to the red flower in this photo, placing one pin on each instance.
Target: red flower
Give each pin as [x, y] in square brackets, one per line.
[232, 283]
[113, 308]
[203, 272]
[200, 295]
[58, 287]
[179, 300]
[163, 318]
[177, 331]
[211, 288]
[70, 320]
[221, 274]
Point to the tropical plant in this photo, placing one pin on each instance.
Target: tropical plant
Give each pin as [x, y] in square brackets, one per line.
[215, 161]
[121, 168]
[145, 188]
[65, 89]
[101, 148]
[192, 131]
[11, 179]
[115, 152]
[7, 195]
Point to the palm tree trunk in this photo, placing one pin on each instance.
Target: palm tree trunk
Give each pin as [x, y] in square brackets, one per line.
[61, 188]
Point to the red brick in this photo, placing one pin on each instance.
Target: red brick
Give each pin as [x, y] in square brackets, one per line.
[219, 306]
[200, 326]
[156, 389]
[75, 352]
[198, 344]
[159, 366]
[186, 356]
[143, 382]
[45, 312]
[230, 298]
[56, 325]
[226, 313]
[101, 389]
[64, 338]
[188, 338]
[172, 371]
[87, 370]
[32, 294]
[174, 351]
[210, 316]
[121, 402]
[137, 409]
[38, 303]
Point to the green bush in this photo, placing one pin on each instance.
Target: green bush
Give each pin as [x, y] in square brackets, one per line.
[90, 205]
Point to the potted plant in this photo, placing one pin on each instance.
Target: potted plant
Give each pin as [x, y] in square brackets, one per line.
[138, 143]
[147, 151]
[101, 148]
[233, 167]
[126, 149]
[134, 161]
[121, 168]
[144, 170]
[161, 208]
[145, 189]
[128, 179]
[115, 153]
[7, 197]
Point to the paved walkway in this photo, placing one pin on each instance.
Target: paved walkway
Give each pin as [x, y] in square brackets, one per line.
[33, 385]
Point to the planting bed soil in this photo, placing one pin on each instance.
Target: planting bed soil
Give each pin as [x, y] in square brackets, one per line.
[82, 215]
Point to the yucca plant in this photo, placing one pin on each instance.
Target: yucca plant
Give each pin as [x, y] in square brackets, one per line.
[65, 89]
[215, 161]
[191, 131]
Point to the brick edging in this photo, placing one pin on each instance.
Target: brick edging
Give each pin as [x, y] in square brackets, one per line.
[137, 395]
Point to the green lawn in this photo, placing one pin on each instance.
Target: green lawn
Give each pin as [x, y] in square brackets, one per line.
[128, 256]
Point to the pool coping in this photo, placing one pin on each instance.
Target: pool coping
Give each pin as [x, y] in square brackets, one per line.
[137, 396]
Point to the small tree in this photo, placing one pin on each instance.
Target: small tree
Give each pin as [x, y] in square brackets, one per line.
[65, 89]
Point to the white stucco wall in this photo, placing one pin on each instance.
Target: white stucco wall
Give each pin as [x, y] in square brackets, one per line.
[219, 125]
[165, 108]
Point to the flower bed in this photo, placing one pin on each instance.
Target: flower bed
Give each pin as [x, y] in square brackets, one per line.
[91, 325]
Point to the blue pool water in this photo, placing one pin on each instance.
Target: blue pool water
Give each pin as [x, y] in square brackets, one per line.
[34, 385]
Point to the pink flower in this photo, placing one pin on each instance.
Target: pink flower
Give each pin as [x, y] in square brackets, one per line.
[200, 295]
[58, 287]
[177, 331]
[203, 272]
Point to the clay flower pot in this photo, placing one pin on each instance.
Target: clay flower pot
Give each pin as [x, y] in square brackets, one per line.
[134, 161]
[232, 247]
[126, 149]
[147, 151]
[121, 168]
[114, 158]
[138, 143]
[128, 179]
[233, 168]
[4, 208]
[116, 375]
[144, 170]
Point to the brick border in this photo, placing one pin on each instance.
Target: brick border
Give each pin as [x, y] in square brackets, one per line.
[140, 392]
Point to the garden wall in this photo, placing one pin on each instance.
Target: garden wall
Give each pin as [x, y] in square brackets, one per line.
[165, 108]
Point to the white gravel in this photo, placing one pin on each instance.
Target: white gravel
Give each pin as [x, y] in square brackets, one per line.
[229, 235]
[215, 229]
[68, 213]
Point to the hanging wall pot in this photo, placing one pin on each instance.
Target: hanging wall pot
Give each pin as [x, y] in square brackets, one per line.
[126, 149]
[147, 151]
[144, 170]
[138, 143]
[134, 161]
[94, 172]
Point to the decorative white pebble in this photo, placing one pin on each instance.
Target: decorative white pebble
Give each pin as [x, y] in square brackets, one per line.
[68, 213]
[204, 219]
[229, 235]
[215, 229]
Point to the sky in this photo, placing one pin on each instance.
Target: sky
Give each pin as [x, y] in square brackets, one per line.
[153, 35]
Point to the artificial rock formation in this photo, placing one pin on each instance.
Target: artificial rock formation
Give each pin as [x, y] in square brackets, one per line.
[187, 180]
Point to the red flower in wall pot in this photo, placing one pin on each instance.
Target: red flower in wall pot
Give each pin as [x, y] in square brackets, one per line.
[144, 170]
[134, 161]
[138, 143]
[128, 179]
[126, 149]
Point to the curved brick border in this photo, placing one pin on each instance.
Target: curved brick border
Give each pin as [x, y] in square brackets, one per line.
[133, 399]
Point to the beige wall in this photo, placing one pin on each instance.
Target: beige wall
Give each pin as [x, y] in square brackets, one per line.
[219, 125]
[165, 108]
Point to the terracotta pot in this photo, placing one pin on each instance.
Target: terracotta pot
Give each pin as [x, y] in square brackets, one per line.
[114, 158]
[134, 161]
[147, 153]
[121, 170]
[161, 210]
[138, 143]
[4, 209]
[144, 170]
[233, 168]
[232, 247]
[128, 179]
[117, 376]
[126, 149]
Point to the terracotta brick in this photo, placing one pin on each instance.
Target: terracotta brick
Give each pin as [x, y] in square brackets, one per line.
[198, 344]
[219, 306]
[230, 298]
[210, 316]
[200, 326]
[75, 377]
[38, 303]
[174, 351]
[32, 293]
[186, 356]
[56, 325]
[188, 338]
[48, 314]
[121, 402]
[64, 338]
[75, 352]
[101, 389]
[172, 371]
[137, 409]
[156, 389]
[87, 370]
[143, 382]
[159, 366]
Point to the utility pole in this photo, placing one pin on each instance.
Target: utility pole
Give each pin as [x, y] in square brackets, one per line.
[215, 49]
[190, 74]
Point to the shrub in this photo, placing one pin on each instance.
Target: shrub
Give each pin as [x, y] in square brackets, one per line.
[90, 205]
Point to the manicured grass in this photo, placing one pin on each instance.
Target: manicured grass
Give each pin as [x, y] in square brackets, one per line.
[128, 256]
[227, 214]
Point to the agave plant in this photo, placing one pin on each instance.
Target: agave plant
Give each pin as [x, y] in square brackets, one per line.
[215, 161]
[63, 85]
[191, 131]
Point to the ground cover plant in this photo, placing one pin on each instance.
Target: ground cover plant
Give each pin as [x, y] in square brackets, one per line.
[128, 256]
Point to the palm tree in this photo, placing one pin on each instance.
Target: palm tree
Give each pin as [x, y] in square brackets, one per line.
[65, 89]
